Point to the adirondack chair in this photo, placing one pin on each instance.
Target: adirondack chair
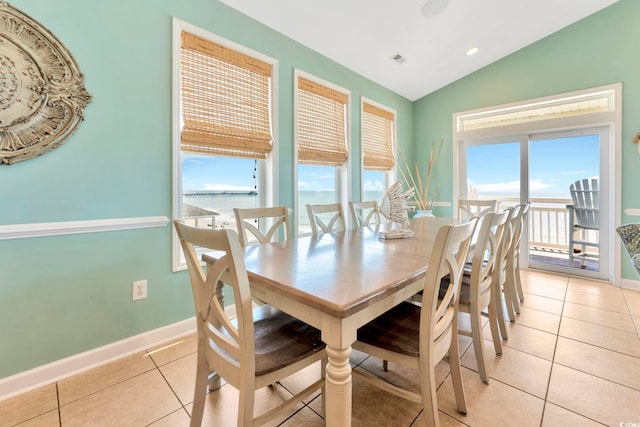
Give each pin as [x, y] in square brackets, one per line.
[584, 216]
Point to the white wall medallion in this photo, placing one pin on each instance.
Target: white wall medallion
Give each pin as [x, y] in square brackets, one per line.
[42, 93]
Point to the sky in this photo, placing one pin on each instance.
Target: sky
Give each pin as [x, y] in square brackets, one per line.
[553, 166]
[494, 169]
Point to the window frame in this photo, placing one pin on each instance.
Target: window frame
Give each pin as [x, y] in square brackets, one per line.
[267, 168]
[343, 173]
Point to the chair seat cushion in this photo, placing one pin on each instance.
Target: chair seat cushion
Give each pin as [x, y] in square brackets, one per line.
[397, 330]
[281, 339]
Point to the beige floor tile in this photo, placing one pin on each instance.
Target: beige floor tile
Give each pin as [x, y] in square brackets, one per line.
[597, 287]
[599, 316]
[544, 278]
[29, 405]
[548, 305]
[138, 401]
[516, 368]
[544, 290]
[305, 417]
[491, 405]
[592, 397]
[601, 336]
[169, 352]
[181, 376]
[633, 300]
[533, 341]
[372, 406]
[555, 416]
[104, 376]
[445, 420]
[303, 379]
[402, 376]
[603, 363]
[636, 319]
[539, 320]
[357, 357]
[179, 418]
[613, 302]
[50, 419]
[221, 407]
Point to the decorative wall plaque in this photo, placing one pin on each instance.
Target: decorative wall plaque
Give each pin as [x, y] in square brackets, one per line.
[42, 93]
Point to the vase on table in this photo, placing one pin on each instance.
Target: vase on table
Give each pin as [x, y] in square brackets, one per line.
[422, 213]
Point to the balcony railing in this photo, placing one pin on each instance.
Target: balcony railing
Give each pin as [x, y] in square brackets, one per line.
[548, 225]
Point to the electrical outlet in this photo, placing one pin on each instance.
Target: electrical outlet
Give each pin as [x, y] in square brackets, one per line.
[139, 290]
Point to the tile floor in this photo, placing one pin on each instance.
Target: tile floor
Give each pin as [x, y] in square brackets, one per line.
[572, 359]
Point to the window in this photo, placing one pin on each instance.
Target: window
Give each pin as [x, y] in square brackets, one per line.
[378, 147]
[321, 141]
[223, 130]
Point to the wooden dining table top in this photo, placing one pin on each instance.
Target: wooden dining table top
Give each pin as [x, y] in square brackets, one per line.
[341, 273]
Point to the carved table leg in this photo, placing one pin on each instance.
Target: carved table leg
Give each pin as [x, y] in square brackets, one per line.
[338, 387]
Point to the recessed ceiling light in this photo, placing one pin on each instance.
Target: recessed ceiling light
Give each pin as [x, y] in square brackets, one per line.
[472, 51]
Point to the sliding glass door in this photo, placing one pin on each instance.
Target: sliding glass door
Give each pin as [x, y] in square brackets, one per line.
[541, 169]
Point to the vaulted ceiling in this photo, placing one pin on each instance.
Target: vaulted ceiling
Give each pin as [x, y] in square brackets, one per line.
[432, 37]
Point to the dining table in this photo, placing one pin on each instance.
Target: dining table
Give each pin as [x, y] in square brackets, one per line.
[338, 282]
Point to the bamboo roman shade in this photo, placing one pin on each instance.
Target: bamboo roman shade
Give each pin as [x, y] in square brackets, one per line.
[225, 98]
[377, 138]
[321, 122]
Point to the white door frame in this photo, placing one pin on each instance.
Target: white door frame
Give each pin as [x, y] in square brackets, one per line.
[610, 119]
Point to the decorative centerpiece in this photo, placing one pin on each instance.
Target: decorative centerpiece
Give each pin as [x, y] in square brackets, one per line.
[394, 207]
[421, 181]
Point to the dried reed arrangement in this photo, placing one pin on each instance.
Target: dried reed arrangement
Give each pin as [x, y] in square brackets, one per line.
[421, 181]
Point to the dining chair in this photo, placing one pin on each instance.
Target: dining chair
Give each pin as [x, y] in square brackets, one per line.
[470, 208]
[419, 337]
[500, 272]
[255, 349]
[278, 216]
[326, 218]
[514, 281]
[364, 213]
[584, 216]
[478, 287]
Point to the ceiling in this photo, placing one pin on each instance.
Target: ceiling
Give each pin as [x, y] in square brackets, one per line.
[364, 35]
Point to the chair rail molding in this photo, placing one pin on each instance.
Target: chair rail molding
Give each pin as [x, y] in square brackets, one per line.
[46, 229]
[632, 211]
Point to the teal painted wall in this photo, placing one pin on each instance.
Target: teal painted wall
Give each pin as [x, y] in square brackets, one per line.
[599, 50]
[60, 296]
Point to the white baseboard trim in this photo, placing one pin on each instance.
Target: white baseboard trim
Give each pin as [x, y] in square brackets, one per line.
[631, 284]
[64, 368]
[45, 229]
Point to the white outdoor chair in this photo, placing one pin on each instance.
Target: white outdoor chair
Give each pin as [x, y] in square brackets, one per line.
[364, 213]
[419, 337]
[584, 217]
[326, 218]
[253, 350]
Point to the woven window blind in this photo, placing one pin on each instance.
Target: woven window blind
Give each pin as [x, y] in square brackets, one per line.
[321, 122]
[377, 138]
[225, 100]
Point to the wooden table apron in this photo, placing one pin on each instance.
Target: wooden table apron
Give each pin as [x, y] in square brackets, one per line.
[338, 282]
